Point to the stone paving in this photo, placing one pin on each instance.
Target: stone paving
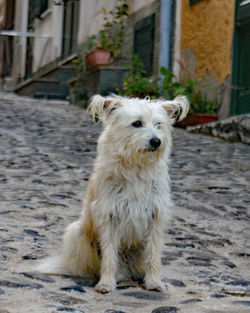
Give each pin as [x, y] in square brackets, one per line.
[46, 156]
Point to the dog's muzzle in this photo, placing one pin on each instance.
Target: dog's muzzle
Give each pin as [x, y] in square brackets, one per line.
[154, 143]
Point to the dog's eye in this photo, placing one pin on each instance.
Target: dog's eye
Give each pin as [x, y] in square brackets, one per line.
[137, 124]
[158, 125]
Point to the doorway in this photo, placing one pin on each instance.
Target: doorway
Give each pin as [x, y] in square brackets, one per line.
[70, 27]
[241, 63]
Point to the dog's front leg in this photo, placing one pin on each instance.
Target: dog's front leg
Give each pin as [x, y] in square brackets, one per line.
[152, 256]
[109, 258]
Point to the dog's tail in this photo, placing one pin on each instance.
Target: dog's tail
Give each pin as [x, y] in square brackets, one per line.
[76, 258]
[52, 265]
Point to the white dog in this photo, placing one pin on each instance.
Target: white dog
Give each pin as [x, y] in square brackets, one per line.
[121, 228]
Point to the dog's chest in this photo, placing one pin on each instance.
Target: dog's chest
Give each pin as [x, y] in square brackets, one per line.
[134, 210]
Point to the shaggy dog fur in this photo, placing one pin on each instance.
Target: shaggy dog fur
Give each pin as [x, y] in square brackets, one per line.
[121, 228]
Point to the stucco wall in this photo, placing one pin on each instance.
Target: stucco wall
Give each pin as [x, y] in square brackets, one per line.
[91, 15]
[20, 50]
[50, 24]
[207, 29]
[206, 43]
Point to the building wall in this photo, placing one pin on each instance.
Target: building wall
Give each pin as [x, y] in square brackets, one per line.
[206, 42]
[2, 20]
[45, 51]
[21, 22]
[91, 15]
[90, 22]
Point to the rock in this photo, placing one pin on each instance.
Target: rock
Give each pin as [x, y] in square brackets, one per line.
[30, 256]
[85, 282]
[241, 283]
[196, 261]
[63, 299]
[235, 128]
[18, 283]
[180, 245]
[218, 296]
[228, 264]
[146, 295]
[165, 309]
[191, 301]
[65, 309]
[73, 288]
[32, 233]
[246, 303]
[38, 276]
[114, 311]
[175, 282]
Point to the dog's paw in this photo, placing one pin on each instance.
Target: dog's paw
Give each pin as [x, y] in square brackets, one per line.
[155, 286]
[104, 287]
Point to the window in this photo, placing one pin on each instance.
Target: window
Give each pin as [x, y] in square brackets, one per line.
[37, 8]
[144, 42]
[43, 6]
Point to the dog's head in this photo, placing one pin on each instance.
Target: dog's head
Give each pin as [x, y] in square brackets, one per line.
[137, 131]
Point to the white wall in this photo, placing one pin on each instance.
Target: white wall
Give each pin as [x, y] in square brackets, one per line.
[21, 21]
[51, 24]
[91, 15]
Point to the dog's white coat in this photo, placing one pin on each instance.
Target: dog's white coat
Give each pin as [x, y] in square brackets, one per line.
[120, 231]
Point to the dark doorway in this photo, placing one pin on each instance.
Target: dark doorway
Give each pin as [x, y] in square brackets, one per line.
[70, 26]
[241, 66]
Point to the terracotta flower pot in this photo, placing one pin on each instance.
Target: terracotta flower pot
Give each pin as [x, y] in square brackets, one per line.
[98, 58]
[193, 119]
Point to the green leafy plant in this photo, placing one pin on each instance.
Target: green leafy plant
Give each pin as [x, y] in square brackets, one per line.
[111, 35]
[136, 84]
[171, 88]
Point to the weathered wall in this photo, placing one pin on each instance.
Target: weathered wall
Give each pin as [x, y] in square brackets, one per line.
[50, 24]
[21, 21]
[206, 43]
[91, 15]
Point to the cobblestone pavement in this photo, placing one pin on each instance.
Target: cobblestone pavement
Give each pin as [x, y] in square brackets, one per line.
[46, 155]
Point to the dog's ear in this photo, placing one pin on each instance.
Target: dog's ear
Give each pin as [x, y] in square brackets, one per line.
[103, 106]
[178, 108]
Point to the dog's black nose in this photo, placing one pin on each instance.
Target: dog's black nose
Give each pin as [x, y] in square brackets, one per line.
[155, 142]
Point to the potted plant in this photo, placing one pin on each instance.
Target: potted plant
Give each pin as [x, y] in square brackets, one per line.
[201, 110]
[109, 42]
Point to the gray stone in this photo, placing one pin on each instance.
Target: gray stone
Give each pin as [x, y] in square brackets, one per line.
[114, 311]
[38, 276]
[73, 288]
[245, 303]
[241, 283]
[18, 283]
[165, 309]
[175, 282]
[236, 128]
[66, 309]
[189, 301]
[147, 295]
